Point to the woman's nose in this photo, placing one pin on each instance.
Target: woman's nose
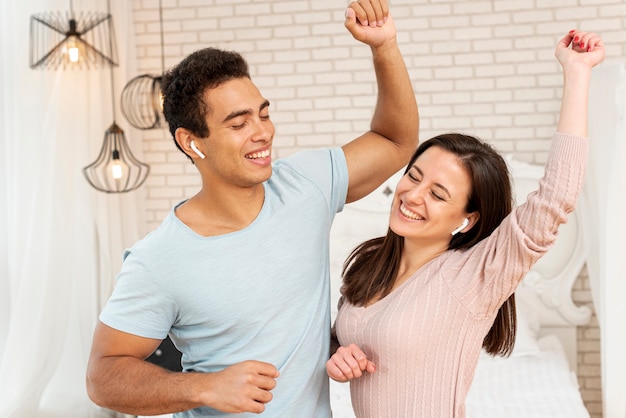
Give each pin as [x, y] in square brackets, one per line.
[416, 194]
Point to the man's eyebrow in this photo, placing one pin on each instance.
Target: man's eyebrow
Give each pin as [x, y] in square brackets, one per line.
[242, 112]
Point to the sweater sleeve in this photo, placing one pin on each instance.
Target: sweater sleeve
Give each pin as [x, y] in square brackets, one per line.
[559, 188]
[488, 273]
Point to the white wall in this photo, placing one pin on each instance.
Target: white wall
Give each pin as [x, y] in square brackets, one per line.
[482, 67]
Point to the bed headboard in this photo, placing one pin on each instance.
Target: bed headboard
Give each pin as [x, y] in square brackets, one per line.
[546, 291]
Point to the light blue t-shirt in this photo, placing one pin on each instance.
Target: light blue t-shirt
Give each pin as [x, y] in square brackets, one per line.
[261, 293]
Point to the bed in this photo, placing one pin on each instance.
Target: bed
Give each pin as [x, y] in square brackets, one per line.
[539, 379]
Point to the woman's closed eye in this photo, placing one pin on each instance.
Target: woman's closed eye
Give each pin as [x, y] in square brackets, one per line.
[433, 192]
[413, 177]
[436, 195]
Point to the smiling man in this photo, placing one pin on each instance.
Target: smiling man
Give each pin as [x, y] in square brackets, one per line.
[238, 274]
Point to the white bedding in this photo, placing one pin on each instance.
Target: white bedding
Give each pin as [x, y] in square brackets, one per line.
[538, 386]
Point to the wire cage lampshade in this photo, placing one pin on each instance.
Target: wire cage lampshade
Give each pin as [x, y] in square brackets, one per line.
[71, 41]
[142, 99]
[142, 103]
[116, 170]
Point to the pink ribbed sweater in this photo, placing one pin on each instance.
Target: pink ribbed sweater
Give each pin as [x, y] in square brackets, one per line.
[425, 337]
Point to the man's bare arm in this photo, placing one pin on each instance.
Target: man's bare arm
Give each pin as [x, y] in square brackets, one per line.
[394, 129]
[119, 378]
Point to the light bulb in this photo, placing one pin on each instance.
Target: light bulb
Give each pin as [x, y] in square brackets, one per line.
[72, 49]
[73, 54]
[116, 168]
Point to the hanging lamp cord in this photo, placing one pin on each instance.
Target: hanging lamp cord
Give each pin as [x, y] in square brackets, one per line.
[111, 50]
[162, 41]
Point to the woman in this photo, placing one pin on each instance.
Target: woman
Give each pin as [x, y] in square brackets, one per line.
[418, 305]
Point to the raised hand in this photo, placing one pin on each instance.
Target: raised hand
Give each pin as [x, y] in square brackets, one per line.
[369, 21]
[348, 363]
[577, 52]
[587, 48]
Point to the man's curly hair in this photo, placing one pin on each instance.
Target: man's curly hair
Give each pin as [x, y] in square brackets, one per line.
[184, 85]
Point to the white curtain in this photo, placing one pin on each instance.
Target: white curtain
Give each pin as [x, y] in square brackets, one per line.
[605, 202]
[60, 240]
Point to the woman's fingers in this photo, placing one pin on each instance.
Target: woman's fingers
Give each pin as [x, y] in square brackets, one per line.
[348, 363]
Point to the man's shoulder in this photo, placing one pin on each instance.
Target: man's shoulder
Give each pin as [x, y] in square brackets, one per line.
[311, 163]
[162, 234]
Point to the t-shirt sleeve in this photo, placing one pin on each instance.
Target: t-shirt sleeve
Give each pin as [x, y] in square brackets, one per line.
[328, 170]
[138, 304]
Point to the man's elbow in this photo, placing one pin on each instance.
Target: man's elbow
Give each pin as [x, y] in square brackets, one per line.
[93, 392]
[95, 388]
[408, 147]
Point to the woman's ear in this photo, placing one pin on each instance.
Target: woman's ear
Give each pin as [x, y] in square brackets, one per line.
[468, 222]
[461, 227]
[472, 218]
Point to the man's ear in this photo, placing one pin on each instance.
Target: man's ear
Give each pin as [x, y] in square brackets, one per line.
[187, 142]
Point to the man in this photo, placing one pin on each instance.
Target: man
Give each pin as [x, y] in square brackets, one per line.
[238, 275]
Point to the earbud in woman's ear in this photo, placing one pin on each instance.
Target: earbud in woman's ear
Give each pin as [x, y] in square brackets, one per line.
[196, 150]
[460, 228]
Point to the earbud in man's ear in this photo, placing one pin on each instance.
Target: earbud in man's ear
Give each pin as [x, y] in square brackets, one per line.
[196, 150]
[460, 228]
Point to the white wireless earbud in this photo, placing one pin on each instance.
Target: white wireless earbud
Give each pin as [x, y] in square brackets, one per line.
[196, 150]
[460, 228]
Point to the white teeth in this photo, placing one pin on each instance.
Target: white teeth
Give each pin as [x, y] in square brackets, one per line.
[409, 214]
[260, 154]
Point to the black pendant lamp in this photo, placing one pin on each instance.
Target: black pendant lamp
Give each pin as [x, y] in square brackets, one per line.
[142, 103]
[71, 41]
[116, 170]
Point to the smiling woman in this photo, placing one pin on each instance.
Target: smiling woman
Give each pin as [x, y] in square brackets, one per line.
[543, 363]
[420, 303]
[437, 186]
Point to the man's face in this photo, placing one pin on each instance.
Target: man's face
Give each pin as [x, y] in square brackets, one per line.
[238, 149]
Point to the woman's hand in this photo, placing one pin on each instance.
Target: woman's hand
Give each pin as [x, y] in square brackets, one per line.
[587, 48]
[348, 363]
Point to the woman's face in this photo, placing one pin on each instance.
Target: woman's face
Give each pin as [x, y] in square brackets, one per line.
[430, 200]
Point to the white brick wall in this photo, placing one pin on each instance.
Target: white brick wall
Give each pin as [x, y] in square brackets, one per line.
[482, 67]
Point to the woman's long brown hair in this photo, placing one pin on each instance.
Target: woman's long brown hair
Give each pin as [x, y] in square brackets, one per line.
[371, 269]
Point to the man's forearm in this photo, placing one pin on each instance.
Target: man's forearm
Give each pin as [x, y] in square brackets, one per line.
[396, 115]
[133, 386]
